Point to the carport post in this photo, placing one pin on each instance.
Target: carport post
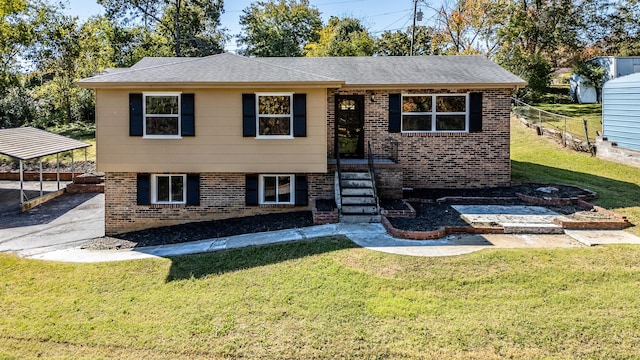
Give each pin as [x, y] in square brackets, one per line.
[40, 176]
[58, 169]
[21, 187]
[72, 167]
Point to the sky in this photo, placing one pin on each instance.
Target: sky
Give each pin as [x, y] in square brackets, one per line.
[376, 15]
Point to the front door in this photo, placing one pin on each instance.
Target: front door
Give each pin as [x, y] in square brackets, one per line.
[350, 125]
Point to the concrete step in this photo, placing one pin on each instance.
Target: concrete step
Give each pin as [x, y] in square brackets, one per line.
[356, 176]
[357, 183]
[532, 228]
[359, 209]
[357, 192]
[358, 219]
[358, 200]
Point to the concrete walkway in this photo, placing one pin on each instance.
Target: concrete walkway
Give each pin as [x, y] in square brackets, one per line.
[371, 236]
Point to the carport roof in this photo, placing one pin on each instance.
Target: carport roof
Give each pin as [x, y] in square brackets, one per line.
[27, 143]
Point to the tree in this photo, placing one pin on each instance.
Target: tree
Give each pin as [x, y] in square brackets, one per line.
[20, 21]
[65, 52]
[278, 28]
[468, 27]
[593, 73]
[342, 37]
[398, 43]
[191, 26]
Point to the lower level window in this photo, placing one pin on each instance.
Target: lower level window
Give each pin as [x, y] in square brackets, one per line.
[276, 189]
[168, 189]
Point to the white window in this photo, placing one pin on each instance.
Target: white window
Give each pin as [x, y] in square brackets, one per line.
[435, 113]
[276, 189]
[275, 115]
[168, 189]
[161, 115]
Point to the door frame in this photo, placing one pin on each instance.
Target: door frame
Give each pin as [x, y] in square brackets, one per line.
[359, 100]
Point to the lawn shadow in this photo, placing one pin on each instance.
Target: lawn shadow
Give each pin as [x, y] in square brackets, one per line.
[611, 193]
[221, 262]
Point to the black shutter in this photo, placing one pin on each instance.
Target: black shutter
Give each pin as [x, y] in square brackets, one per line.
[193, 189]
[475, 112]
[301, 190]
[135, 115]
[299, 115]
[249, 115]
[144, 189]
[395, 112]
[188, 115]
[251, 185]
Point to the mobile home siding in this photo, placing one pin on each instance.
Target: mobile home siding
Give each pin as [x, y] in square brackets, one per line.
[621, 111]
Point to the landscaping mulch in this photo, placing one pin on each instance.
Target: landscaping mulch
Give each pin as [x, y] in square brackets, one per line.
[204, 230]
[531, 189]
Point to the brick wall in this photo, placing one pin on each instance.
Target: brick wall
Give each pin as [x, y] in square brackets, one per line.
[222, 196]
[439, 160]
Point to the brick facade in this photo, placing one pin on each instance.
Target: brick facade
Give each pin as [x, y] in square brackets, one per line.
[438, 160]
[433, 160]
[222, 196]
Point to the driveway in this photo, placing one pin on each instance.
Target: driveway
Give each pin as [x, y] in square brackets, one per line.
[63, 222]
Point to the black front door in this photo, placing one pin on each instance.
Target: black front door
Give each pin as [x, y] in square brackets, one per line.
[350, 125]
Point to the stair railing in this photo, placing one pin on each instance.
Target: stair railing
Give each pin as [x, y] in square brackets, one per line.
[372, 173]
[338, 166]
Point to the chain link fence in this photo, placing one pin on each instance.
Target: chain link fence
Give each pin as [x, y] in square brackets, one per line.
[568, 131]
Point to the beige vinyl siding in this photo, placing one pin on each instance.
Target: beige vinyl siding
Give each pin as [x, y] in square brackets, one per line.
[218, 145]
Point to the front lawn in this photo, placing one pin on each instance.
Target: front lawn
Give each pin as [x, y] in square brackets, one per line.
[326, 299]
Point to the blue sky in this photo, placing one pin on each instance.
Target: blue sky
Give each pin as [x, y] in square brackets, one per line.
[377, 15]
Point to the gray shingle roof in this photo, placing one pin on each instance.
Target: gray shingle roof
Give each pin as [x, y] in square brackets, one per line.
[29, 143]
[229, 68]
[405, 70]
[223, 68]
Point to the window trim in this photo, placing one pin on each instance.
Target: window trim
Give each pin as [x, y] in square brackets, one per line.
[144, 115]
[433, 113]
[154, 188]
[292, 189]
[290, 116]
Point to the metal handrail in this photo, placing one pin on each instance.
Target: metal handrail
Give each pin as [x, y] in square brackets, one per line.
[338, 166]
[372, 173]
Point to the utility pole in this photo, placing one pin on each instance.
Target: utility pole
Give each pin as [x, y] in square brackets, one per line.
[413, 29]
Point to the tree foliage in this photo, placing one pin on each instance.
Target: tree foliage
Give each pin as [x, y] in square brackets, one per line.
[278, 28]
[398, 43]
[188, 27]
[342, 37]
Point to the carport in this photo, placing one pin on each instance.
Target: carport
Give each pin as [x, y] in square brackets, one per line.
[28, 143]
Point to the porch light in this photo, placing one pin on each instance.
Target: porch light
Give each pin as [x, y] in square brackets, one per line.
[373, 97]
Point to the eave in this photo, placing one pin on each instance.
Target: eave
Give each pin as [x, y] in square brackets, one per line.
[207, 85]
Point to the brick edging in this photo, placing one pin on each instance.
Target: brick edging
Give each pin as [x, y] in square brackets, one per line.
[437, 234]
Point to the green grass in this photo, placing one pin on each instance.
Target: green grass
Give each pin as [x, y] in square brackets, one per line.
[537, 159]
[326, 299]
[577, 112]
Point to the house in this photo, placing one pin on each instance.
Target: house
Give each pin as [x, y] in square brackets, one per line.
[193, 139]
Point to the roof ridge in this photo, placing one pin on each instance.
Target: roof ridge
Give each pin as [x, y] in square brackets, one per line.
[288, 68]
